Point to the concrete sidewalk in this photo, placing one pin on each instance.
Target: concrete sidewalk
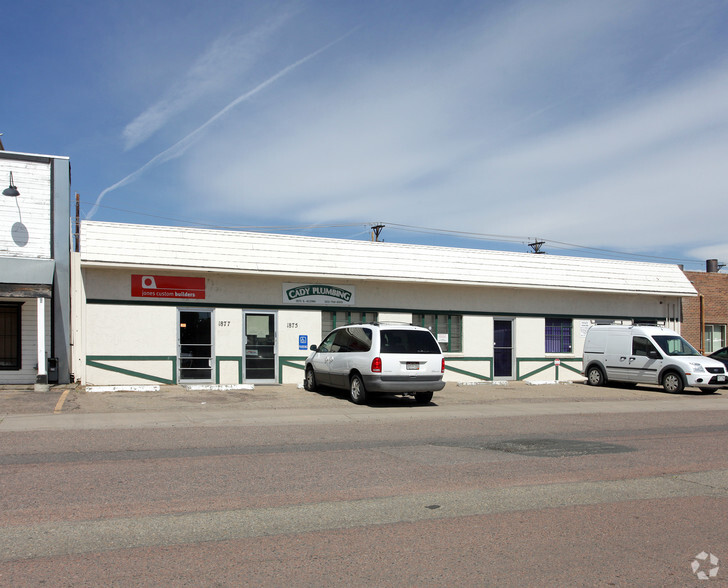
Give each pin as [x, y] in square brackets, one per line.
[171, 406]
[86, 399]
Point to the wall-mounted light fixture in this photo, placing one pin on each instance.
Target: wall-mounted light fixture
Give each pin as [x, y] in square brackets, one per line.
[11, 190]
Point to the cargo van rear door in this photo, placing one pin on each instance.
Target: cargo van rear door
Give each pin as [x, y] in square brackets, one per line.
[616, 356]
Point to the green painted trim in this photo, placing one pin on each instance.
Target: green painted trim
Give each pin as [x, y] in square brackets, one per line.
[549, 358]
[287, 361]
[228, 358]
[449, 368]
[209, 304]
[452, 368]
[550, 362]
[571, 369]
[94, 361]
[534, 372]
[132, 357]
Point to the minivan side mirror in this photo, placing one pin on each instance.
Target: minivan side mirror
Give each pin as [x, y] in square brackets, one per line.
[313, 348]
[654, 354]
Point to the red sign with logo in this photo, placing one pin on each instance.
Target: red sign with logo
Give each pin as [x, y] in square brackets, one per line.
[167, 287]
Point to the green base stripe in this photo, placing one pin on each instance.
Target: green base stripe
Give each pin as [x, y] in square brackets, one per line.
[551, 363]
[576, 370]
[450, 368]
[534, 372]
[289, 361]
[222, 358]
[95, 361]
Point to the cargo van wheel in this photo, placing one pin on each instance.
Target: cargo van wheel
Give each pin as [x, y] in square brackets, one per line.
[595, 376]
[672, 382]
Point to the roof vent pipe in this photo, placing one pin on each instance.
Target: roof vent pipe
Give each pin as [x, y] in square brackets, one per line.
[711, 266]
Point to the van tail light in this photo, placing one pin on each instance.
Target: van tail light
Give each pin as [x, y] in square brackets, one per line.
[443, 366]
[377, 365]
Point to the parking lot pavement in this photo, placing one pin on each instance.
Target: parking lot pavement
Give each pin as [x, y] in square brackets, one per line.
[80, 400]
[25, 400]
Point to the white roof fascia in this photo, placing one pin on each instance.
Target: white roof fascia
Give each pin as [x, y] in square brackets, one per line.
[191, 249]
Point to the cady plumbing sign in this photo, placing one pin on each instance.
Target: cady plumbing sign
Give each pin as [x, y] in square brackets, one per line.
[167, 287]
[318, 294]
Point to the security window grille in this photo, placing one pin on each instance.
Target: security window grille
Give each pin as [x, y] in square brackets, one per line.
[714, 337]
[10, 337]
[332, 319]
[447, 328]
[558, 335]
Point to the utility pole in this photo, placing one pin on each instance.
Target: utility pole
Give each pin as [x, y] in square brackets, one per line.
[536, 246]
[376, 231]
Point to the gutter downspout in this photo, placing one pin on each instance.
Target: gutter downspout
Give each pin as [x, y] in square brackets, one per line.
[701, 348]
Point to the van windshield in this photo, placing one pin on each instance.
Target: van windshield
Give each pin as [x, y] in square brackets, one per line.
[674, 345]
[408, 341]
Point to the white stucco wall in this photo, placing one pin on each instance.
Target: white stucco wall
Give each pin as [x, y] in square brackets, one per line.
[117, 324]
[128, 331]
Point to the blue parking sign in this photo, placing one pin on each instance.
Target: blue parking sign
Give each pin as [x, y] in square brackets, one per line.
[303, 342]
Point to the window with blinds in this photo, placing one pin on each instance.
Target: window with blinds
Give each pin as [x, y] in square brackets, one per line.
[332, 319]
[447, 328]
[558, 335]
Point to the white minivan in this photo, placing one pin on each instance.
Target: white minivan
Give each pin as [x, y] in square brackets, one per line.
[374, 358]
[649, 355]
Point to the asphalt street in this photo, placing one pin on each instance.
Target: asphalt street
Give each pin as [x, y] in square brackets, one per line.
[494, 485]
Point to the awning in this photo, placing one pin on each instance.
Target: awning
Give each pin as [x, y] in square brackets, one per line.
[26, 278]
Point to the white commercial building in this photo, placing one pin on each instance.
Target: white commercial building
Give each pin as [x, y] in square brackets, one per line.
[181, 305]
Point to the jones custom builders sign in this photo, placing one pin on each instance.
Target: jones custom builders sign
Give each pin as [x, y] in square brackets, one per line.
[167, 287]
[318, 294]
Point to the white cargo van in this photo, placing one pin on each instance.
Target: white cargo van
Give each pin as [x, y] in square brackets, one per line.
[648, 355]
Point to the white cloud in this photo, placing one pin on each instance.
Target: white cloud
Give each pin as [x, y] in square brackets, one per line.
[717, 251]
[227, 57]
[491, 128]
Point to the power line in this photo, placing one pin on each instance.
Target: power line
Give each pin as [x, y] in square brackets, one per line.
[491, 237]
[551, 242]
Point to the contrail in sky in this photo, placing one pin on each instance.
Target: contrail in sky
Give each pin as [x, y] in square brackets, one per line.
[183, 144]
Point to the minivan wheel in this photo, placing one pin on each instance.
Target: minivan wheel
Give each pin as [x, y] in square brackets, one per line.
[672, 383]
[310, 381]
[595, 376]
[357, 392]
[423, 397]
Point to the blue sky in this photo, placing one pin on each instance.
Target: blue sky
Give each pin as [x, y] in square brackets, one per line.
[599, 127]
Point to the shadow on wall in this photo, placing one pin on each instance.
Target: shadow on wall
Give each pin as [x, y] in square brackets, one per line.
[20, 235]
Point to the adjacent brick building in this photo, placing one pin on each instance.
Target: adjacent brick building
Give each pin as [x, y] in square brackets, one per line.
[705, 318]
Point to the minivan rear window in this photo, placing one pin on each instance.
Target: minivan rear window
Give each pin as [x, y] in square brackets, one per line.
[408, 341]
